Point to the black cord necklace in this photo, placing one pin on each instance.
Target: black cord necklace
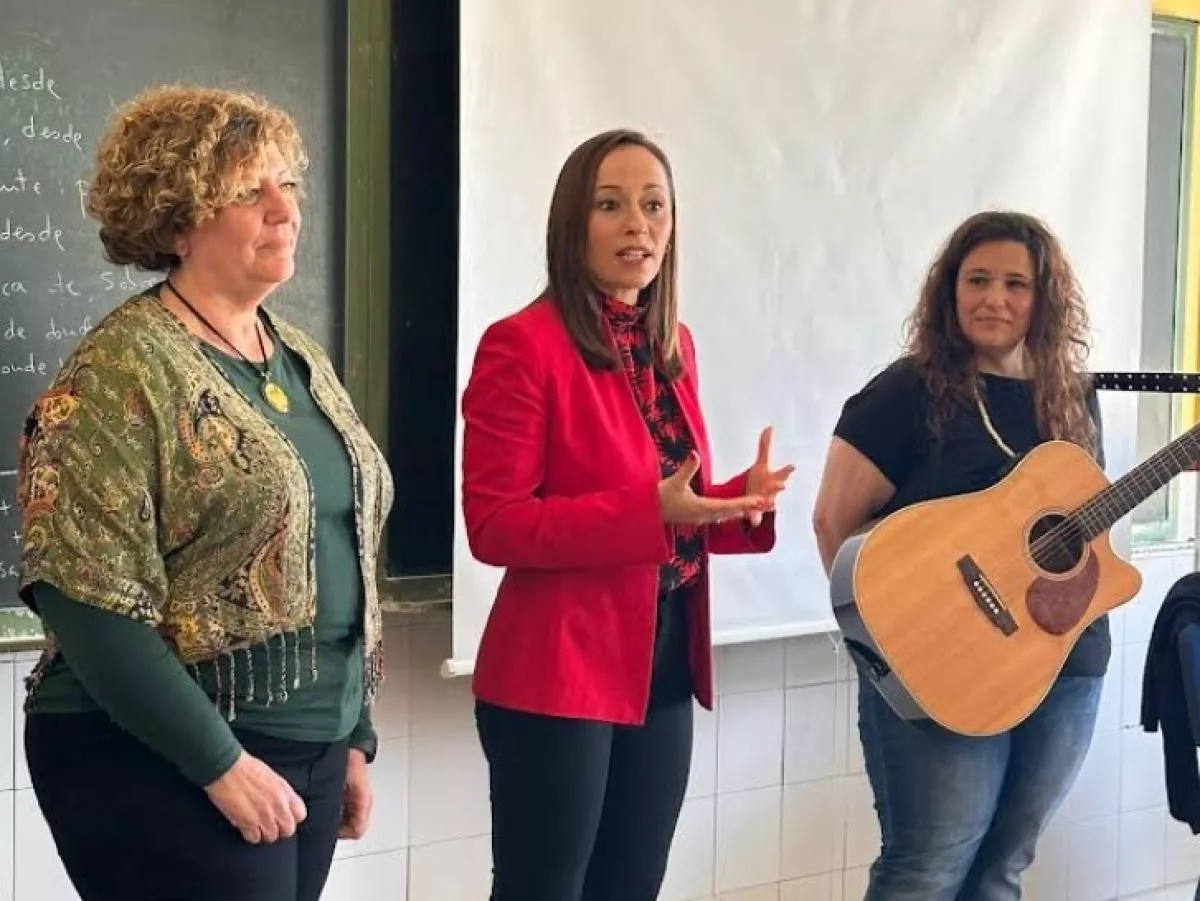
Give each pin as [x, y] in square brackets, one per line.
[271, 391]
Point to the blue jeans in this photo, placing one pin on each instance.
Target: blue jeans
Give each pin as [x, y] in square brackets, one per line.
[960, 817]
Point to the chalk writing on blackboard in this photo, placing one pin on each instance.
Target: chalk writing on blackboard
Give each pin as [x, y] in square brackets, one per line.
[20, 184]
[53, 282]
[34, 82]
[35, 130]
[46, 232]
[10, 537]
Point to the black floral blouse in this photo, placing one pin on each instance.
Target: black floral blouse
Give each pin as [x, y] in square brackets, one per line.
[660, 408]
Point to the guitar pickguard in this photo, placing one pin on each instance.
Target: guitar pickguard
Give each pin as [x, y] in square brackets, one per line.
[1057, 605]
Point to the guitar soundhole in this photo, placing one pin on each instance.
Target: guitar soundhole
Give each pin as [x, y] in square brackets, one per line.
[1056, 544]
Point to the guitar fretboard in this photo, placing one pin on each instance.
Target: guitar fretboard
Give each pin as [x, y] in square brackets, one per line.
[1102, 511]
[1148, 382]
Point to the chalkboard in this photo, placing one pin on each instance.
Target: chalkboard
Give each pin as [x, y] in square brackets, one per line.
[64, 68]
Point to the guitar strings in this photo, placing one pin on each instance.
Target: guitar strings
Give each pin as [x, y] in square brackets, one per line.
[1070, 529]
[1069, 534]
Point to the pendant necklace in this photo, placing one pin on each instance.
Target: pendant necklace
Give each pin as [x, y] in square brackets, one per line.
[991, 429]
[271, 391]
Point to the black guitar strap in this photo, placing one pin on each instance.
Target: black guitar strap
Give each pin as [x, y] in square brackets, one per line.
[1148, 382]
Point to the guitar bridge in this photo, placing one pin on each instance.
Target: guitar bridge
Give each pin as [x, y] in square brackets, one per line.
[985, 596]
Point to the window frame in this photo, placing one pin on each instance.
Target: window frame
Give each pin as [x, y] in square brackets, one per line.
[1178, 528]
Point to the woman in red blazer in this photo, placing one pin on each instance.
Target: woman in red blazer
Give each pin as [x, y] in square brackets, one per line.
[586, 475]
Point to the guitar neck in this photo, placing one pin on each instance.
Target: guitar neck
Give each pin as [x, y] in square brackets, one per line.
[1100, 513]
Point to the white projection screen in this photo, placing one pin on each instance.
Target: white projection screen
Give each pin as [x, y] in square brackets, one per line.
[822, 152]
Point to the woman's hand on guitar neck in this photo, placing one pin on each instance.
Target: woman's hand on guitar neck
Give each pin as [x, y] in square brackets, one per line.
[681, 505]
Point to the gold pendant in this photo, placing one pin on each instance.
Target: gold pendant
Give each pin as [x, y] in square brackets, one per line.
[275, 396]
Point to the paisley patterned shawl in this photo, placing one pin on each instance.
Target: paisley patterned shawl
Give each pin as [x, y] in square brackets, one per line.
[150, 487]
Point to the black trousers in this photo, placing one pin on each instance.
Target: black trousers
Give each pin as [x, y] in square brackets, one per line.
[129, 827]
[583, 810]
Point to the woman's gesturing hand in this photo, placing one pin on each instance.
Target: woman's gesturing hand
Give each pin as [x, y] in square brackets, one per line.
[762, 481]
[681, 505]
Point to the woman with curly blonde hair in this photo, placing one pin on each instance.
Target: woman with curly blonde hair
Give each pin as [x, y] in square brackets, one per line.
[996, 349]
[201, 513]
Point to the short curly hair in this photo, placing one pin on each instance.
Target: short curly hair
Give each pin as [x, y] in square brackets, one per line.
[171, 158]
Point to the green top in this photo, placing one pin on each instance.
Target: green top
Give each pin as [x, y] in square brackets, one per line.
[154, 488]
[105, 656]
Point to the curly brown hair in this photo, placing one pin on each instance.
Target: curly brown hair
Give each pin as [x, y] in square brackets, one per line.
[1056, 346]
[171, 158]
[569, 281]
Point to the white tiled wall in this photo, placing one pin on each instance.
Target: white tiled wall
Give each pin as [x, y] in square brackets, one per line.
[778, 808]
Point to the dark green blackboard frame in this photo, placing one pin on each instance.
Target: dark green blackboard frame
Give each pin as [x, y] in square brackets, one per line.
[367, 255]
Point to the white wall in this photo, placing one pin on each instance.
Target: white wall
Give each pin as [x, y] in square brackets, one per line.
[778, 808]
[822, 152]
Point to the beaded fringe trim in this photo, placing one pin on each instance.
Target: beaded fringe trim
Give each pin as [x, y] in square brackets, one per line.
[282, 671]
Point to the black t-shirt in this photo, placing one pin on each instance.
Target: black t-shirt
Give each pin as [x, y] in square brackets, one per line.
[887, 421]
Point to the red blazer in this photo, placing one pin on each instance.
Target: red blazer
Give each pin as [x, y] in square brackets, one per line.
[560, 487]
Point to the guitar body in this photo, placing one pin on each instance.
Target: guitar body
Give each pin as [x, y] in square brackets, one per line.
[952, 615]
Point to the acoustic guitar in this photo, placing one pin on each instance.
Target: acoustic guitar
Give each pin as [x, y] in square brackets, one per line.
[963, 610]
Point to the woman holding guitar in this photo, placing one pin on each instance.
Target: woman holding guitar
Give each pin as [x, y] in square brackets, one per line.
[994, 366]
